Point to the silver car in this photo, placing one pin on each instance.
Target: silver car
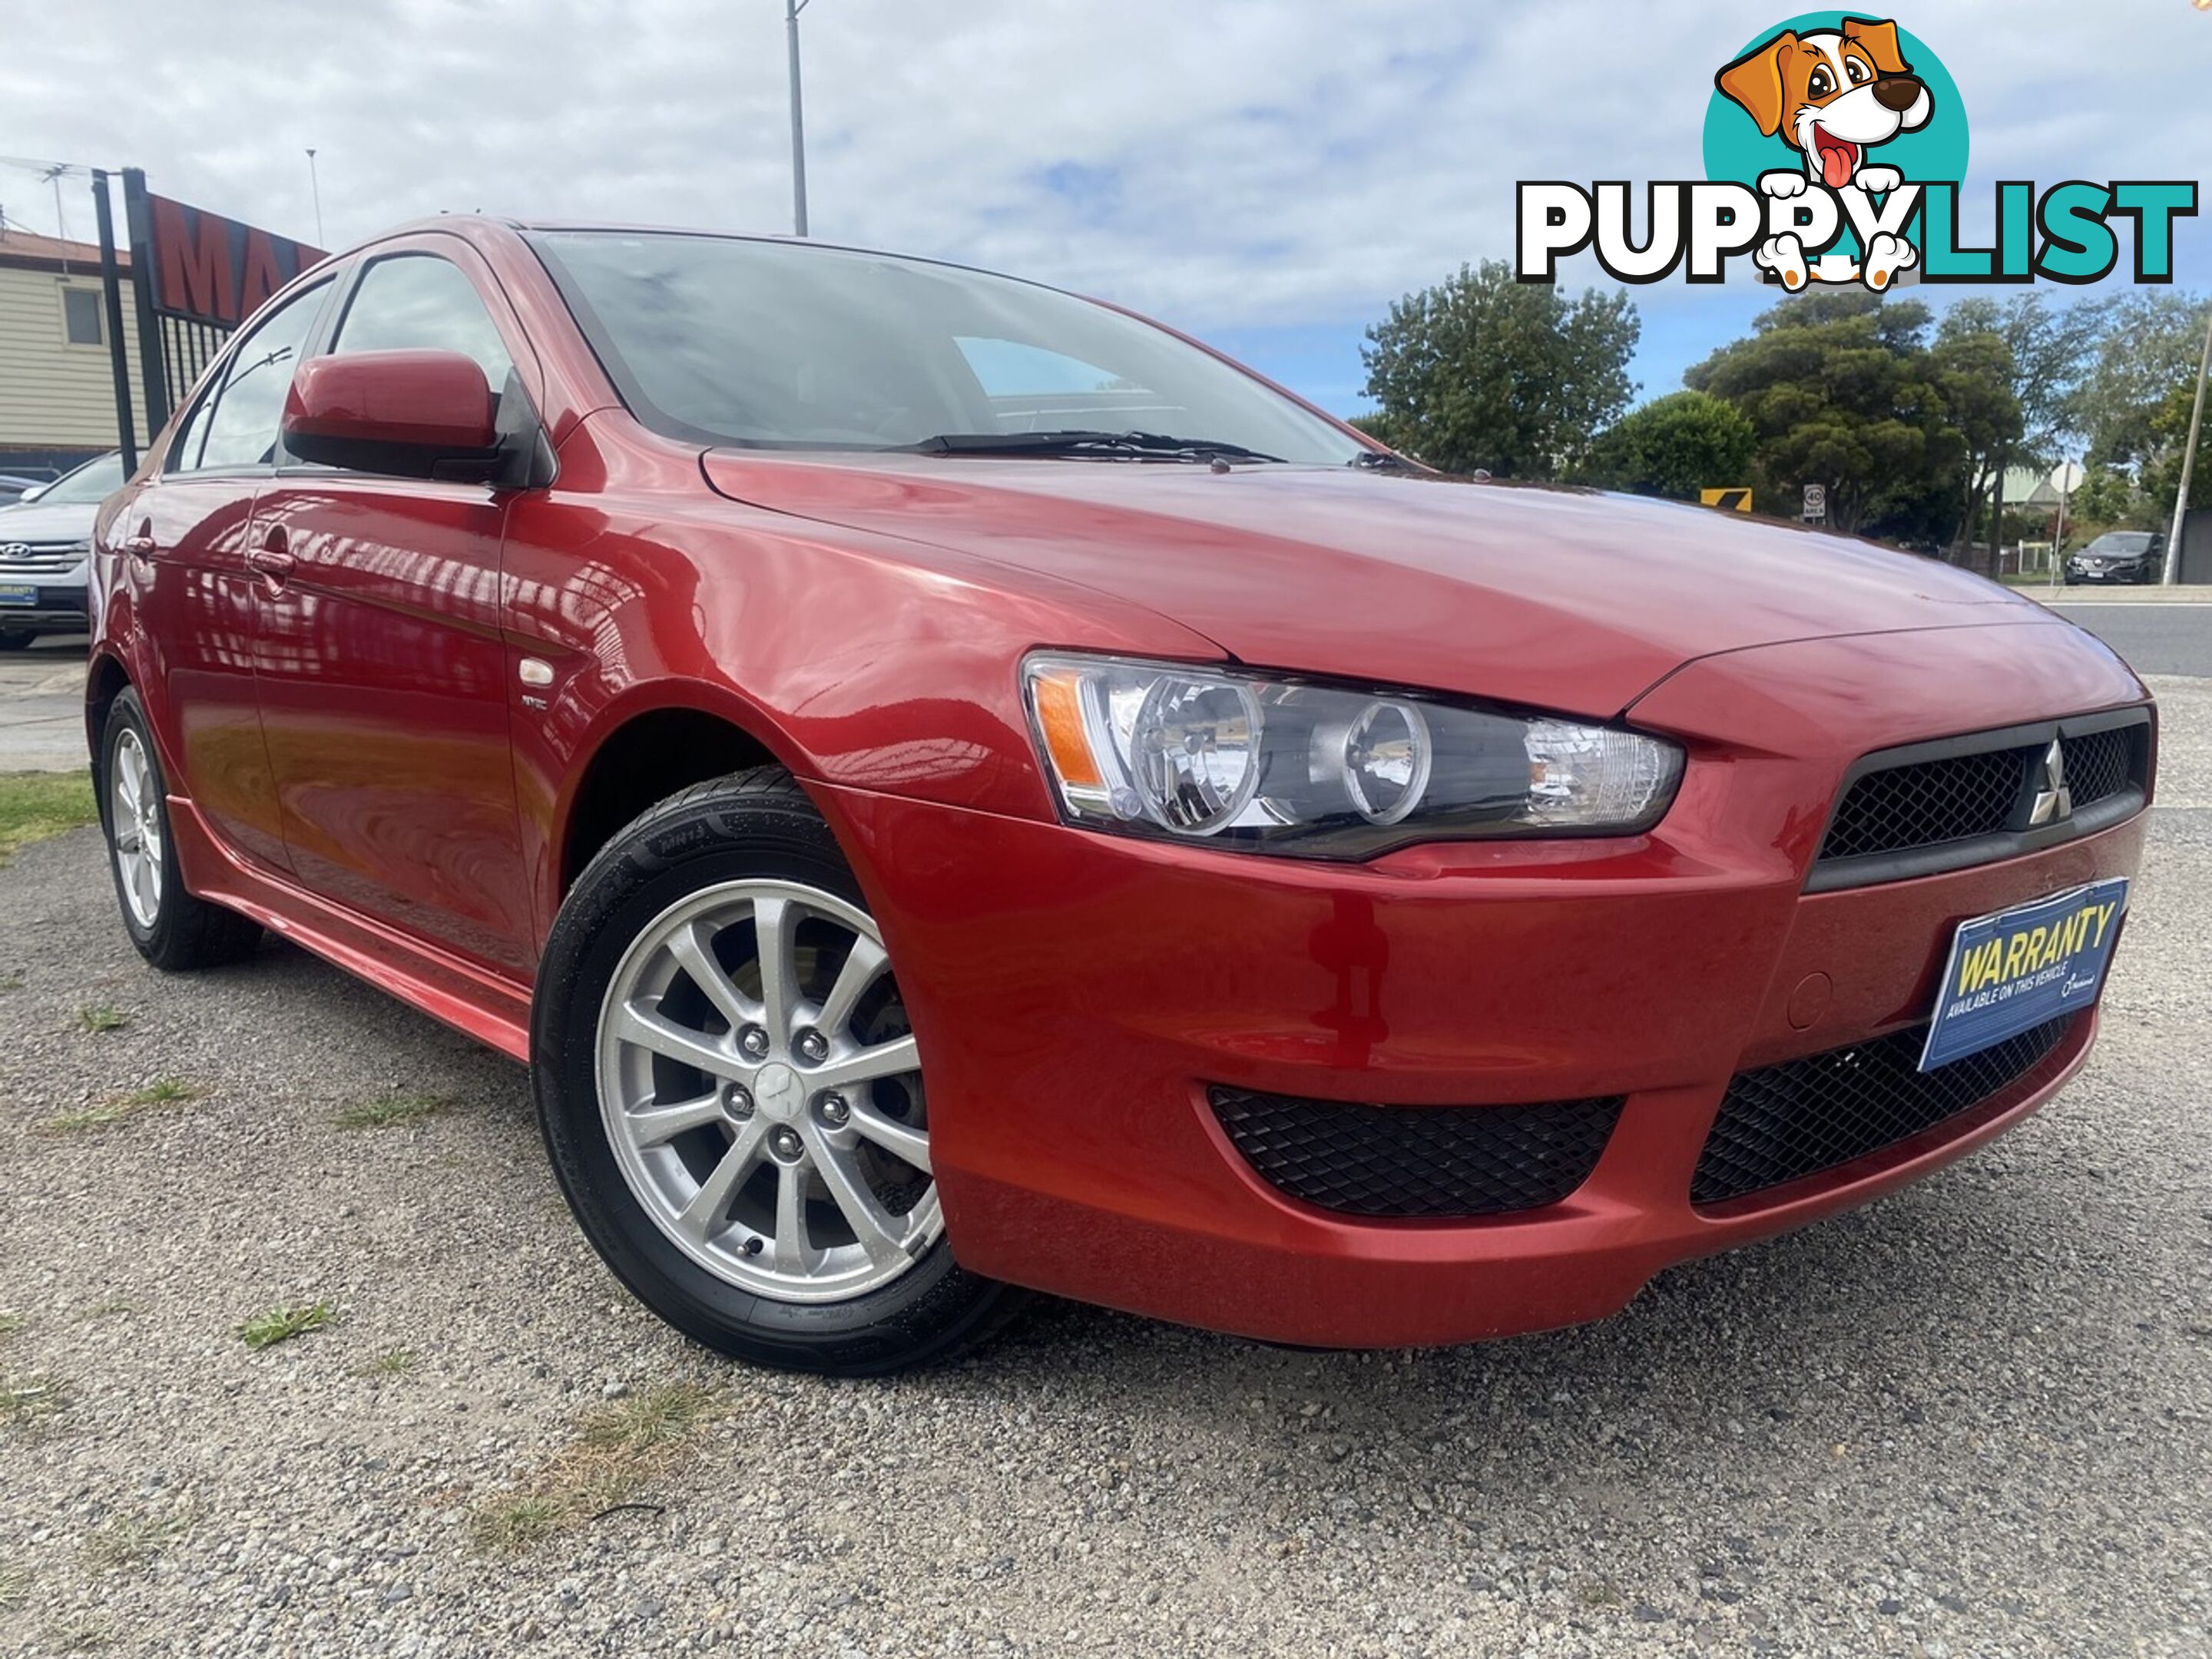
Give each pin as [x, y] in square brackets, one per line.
[46, 541]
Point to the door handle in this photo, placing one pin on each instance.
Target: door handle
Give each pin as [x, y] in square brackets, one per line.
[272, 561]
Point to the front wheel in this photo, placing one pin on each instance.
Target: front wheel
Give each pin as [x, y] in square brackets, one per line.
[733, 1098]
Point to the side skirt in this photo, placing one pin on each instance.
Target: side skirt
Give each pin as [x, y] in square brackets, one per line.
[492, 1009]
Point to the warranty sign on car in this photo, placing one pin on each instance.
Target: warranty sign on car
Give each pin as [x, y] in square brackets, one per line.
[2011, 972]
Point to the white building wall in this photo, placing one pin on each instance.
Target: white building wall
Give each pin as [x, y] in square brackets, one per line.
[54, 394]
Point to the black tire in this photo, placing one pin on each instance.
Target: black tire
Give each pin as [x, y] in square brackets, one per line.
[757, 825]
[187, 933]
[17, 639]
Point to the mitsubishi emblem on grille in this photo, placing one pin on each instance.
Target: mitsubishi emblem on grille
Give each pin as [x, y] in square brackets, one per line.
[2054, 800]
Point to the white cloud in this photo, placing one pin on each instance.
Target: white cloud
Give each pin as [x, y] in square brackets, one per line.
[1238, 163]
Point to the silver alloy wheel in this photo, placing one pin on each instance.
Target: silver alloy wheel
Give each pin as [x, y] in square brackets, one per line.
[763, 1095]
[134, 817]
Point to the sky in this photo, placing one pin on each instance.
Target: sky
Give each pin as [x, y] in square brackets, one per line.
[1268, 175]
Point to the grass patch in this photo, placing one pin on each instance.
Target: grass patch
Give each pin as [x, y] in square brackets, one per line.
[10, 1323]
[274, 1325]
[14, 1589]
[169, 1091]
[619, 1450]
[36, 805]
[12, 979]
[398, 1362]
[98, 1017]
[388, 1109]
[28, 1399]
[133, 1541]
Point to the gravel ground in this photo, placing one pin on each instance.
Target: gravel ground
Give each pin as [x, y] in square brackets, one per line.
[1974, 1420]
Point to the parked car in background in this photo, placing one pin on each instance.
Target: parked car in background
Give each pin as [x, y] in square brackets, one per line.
[45, 543]
[2119, 555]
[949, 785]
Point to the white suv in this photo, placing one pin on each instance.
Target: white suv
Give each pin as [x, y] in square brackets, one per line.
[46, 540]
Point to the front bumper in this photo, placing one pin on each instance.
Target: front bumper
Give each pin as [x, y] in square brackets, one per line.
[1076, 994]
[55, 609]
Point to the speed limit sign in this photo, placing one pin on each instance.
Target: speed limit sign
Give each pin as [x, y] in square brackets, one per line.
[1816, 501]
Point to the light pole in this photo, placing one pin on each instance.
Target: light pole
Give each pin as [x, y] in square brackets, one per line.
[2188, 464]
[315, 185]
[791, 10]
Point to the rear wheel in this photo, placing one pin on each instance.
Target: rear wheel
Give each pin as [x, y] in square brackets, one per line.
[733, 1098]
[172, 929]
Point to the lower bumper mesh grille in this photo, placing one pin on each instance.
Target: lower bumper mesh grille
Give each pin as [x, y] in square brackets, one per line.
[1780, 1123]
[1418, 1161]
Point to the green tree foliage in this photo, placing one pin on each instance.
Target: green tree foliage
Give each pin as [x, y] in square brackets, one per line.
[2147, 349]
[2053, 347]
[2168, 429]
[1485, 372]
[1674, 447]
[1843, 390]
[1975, 373]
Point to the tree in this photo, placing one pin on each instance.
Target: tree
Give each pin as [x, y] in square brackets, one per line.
[2043, 352]
[1674, 447]
[1843, 391]
[2149, 346]
[1975, 373]
[1484, 371]
[2168, 436]
[2053, 347]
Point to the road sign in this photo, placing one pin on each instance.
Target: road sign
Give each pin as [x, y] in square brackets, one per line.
[1816, 502]
[1729, 500]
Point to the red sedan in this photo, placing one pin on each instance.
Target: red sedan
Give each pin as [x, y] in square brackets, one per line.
[949, 787]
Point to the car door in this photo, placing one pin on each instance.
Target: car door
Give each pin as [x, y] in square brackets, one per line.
[184, 540]
[380, 666]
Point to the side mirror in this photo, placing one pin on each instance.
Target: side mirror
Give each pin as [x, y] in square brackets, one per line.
[33, 494]
[409, 414]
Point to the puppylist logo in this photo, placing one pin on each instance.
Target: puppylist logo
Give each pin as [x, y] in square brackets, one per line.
[1835, 149]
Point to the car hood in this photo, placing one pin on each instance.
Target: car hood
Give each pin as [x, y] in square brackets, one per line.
[35, 521]
[1558, 599]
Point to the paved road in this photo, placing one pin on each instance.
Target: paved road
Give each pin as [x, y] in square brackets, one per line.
[2155, 638]
[42, 706]
[1972, 1421]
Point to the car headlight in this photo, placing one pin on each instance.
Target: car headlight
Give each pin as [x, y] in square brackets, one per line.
[1274, 764]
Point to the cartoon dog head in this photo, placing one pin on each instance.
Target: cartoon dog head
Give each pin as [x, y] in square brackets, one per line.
[1832, 93]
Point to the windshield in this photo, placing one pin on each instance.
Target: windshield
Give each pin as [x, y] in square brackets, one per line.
[2122, 541]
[89, 486]
[781, 345]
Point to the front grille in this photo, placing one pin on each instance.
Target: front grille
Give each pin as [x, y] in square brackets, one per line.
[1406, 1160]
[1928, 804]
[1781, 1123]
[21, 559]
[1944, 805]
[2099, 764]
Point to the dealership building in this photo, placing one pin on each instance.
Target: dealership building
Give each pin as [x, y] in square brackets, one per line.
[57, 378]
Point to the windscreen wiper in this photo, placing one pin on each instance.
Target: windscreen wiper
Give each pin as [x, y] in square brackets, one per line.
[1079, 441]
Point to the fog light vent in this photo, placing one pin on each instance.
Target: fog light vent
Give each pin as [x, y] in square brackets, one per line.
[1418, 1161]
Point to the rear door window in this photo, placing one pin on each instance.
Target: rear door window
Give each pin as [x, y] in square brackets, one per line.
[237, 425]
